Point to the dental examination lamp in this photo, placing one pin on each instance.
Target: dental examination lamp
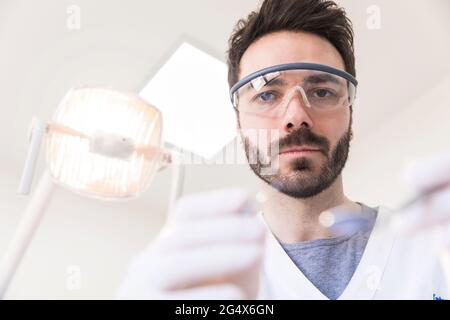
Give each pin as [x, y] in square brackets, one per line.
[101, 144]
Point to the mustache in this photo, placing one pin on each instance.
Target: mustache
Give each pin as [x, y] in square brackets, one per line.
[302, 137]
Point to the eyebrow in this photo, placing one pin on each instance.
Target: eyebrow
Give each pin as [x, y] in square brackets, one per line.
[320, 78]
[314, 78]
[275, 82]
[271, 83]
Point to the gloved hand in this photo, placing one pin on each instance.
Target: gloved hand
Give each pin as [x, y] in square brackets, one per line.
[434, 210]
[208, 249]
[424, 175]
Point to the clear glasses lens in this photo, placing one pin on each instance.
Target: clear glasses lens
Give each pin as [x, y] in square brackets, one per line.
[269, 94]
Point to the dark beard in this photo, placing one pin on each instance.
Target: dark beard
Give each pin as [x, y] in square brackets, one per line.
[297, 184]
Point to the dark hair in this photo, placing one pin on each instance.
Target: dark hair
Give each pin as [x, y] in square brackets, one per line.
[319, 17]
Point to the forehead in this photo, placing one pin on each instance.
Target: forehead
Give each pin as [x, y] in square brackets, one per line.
[288, 47]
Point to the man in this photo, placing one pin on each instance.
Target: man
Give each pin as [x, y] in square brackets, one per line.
[292, 76]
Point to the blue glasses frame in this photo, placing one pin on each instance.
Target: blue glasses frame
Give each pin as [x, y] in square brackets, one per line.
[291, 66]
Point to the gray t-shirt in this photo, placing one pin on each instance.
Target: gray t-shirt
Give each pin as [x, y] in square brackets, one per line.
[329, 263]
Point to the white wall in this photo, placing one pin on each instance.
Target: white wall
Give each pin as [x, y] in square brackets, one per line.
[374, 173]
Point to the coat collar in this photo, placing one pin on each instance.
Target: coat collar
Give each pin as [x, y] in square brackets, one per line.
[281, 279]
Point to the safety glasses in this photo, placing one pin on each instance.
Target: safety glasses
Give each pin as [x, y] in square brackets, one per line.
[267, 93]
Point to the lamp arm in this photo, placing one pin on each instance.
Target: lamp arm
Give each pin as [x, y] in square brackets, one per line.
[25, 231]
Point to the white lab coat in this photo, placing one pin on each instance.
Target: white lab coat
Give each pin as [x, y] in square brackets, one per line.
[392, 267]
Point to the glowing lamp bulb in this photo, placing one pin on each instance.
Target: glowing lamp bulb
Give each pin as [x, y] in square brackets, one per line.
[104, 144]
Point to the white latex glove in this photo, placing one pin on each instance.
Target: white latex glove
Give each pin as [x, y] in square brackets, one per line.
[208, 249]
[424, 175]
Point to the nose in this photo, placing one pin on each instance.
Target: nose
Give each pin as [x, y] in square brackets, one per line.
[296, 112]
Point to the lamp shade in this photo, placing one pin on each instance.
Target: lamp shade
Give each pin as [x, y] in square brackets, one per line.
[104, 144]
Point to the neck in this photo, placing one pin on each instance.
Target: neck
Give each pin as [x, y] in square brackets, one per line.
[295, 220]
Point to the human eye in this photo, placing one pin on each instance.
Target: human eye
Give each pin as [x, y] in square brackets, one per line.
[265, 97]
[323, 93]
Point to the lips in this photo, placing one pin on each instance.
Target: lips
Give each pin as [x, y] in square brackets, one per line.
[298, 149]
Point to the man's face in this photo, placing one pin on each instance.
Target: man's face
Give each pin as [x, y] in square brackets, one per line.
[297, 174]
